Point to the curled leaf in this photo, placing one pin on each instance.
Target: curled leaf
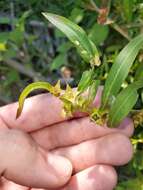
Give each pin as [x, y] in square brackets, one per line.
[55, 90]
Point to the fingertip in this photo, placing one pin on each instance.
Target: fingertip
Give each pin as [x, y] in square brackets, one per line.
[63, 169]
[94, 178]
[127, 126]
[124, 149]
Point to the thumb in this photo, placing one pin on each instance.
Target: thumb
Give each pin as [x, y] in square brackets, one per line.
[24, 162]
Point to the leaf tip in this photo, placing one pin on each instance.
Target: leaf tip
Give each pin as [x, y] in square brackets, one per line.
[18, 113]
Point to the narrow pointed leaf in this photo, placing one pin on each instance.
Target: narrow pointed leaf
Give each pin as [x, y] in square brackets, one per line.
[34, 86]
[93, 90]
[85, 81]
[120, 68]
[76, 35]
[124, 102]
[122, 106]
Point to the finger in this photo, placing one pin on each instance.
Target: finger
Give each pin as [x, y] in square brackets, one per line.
[77, 131]
[9, 185]
[113, 149]
[98, 177]
[24, 163]
[38, 111]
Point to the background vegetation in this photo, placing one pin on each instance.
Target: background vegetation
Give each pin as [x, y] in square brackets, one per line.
[31, 49]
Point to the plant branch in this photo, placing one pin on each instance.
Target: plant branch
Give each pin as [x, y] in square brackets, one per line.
[28, 72]
[120, 30]
[133, 25]
[94, 6]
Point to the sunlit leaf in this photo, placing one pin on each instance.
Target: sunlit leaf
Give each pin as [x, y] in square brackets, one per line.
[2, 47]
[120, 68]
[76, 35]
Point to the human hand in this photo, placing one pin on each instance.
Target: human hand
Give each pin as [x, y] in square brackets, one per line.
[42, 150]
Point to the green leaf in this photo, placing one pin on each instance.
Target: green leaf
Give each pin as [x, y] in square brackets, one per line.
[131, 184]
[76, 35]
[2, 47]
[124, 102]
[55, 90]
[93, 90]
[122, 106]
[64, 47]
[120, 68]
[58, 61]
[128, 9]
[85, 80]
[4, 36]
[98, 33]
[138, 160]
[139, 71]
[76, 15]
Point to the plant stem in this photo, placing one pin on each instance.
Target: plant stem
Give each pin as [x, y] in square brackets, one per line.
[120, 30]
[94, 6]
[20, 68]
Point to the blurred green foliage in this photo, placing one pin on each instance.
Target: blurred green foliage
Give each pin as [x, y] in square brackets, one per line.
[31, 49]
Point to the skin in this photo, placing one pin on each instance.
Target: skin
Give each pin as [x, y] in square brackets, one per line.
[43, 150]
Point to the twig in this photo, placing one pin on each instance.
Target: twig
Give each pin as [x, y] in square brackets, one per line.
[12, 14]
[28, 72]
[108, 21]
[94, 6]
[120, 30]
[133, 25]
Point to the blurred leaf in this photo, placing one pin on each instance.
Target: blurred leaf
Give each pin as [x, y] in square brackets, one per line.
[138, 160]
[4, 37]
[131, 184]
[59, 61]
[86, 80]
[3, 47]
[11, 77]
[7, 20]
[120, 68]
[10, 53]
[76, 15]
[63, 48]
[139, 72]
[93, 90]
[16, 36]
[76, 35]
[128, 9]
[98, 33]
